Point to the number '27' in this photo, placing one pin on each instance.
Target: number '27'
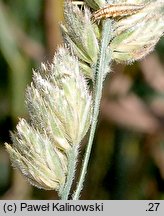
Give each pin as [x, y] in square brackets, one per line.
[153, 206]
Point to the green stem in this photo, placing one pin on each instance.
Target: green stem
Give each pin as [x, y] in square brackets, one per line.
[72, 158]
[99, 77]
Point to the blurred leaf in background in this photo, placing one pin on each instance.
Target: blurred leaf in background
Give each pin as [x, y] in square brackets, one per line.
[25, 29]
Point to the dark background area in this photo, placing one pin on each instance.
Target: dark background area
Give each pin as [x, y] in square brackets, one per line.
[127, 160]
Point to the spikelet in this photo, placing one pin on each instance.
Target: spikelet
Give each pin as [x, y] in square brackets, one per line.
[81, 34]
[60, 111]
[135, 36]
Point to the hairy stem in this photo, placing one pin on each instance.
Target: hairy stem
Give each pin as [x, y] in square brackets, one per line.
[99, 78]
[72, 158]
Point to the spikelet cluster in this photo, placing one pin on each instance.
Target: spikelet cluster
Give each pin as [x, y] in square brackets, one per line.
[58, 99]
[135, 36]
[59, 104]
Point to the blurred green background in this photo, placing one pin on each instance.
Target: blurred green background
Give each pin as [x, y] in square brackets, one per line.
[127, 160]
